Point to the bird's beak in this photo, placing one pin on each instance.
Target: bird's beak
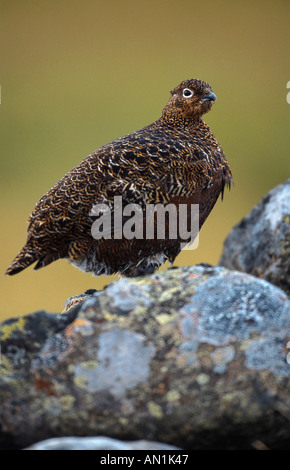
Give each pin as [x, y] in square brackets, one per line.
[210, 97]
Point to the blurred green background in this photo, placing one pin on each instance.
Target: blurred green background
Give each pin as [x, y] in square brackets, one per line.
[78, 74]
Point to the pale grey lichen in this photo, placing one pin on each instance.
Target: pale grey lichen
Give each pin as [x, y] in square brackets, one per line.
[268, 354]
[126, 296]
[122, 363]
[233, 306]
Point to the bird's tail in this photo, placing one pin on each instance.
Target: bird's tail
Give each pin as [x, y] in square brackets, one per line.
[24, 259]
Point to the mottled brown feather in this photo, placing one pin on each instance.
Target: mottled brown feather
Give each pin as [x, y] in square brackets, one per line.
[173, 160]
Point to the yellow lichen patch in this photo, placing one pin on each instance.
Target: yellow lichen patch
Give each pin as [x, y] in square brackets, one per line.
[142, 280]
[123, 421]
[202, 379]
[88, 365]
[81, 381]
[155, 410]
[245, 344]
[67, 401]
[139, 310]
[164, 318]
[6, 366]
[8, 329]
[173, 395]
[110, 316]
[168, 294]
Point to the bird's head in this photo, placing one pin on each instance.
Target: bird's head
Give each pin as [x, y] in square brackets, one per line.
[189, 101]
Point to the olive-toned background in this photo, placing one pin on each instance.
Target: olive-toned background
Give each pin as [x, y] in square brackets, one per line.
[76, 75]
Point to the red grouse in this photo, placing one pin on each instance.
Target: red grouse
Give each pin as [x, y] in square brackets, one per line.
[176, 160]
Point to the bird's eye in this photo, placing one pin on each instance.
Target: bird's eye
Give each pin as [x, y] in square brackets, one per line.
[187, 93]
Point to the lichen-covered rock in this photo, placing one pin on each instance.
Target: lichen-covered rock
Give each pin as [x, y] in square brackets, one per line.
[260, 243]
[193, 357]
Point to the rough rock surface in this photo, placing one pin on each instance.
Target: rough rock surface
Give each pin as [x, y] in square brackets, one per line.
[260, 243]
[193, 357]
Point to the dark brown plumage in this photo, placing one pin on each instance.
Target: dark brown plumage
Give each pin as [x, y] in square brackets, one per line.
[174, 160]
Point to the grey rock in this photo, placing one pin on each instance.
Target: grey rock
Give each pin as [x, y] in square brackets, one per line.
[198, 360]
[97, 443]
[260, 243]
